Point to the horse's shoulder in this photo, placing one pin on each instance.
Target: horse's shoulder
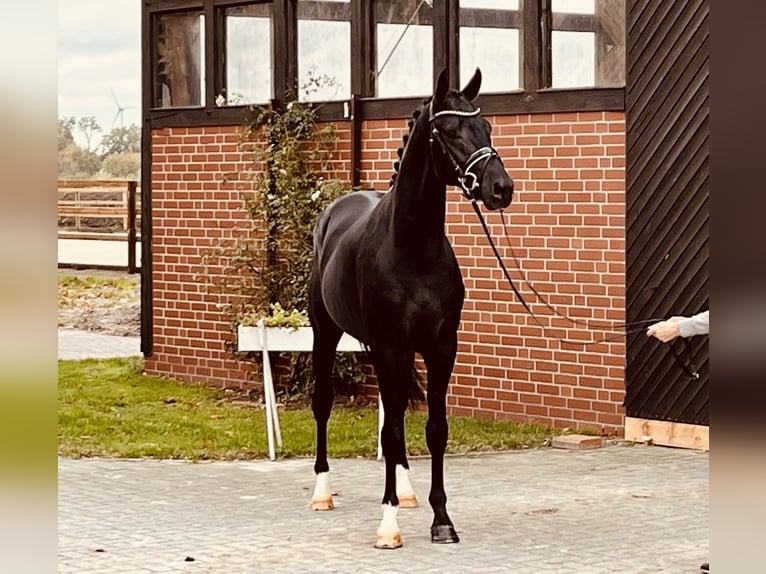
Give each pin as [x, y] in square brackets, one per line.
[356, 202]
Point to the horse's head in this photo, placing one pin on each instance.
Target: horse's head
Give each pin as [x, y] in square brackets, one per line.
[461, 146]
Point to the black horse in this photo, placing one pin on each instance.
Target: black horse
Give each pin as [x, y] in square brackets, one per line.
[385, 273]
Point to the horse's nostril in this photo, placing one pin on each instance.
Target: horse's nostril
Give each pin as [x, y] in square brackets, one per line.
[500, 190]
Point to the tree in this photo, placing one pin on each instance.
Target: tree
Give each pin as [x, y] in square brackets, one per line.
[65, 132]
[122, 165]
[121, 140]
[77, 163]
[88, 126]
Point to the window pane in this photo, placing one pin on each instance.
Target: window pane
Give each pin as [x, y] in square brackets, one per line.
[491, 4]
[490, 39]
[248, 55]
[588, 43]
[574, 6]
[179, 72]
[404, 48]
[324, 50]
[573, 59]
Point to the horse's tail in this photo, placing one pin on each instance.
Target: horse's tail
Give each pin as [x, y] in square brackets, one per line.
[415, 392]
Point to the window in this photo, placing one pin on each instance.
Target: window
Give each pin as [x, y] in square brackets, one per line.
[327, 50]
[324, 50]
[490, 39]
[179, 71]
[403, 48]
[588, 43]
[248, 55]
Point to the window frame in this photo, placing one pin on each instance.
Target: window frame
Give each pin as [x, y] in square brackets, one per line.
[535, 95]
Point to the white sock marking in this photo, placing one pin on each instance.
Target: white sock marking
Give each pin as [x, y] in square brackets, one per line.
[388, 525]
[403, 485]
[322, 487]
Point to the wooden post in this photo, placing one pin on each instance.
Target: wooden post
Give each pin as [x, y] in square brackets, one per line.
[356, 141]
[131, 227]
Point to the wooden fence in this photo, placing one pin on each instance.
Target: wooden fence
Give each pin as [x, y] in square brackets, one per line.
[104, 210]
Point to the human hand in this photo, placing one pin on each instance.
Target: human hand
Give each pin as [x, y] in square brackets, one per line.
[665, 330]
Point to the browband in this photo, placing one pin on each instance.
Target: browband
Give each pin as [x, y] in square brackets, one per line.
[461, 113]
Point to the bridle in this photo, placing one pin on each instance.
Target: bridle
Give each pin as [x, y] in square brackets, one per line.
[467, 179]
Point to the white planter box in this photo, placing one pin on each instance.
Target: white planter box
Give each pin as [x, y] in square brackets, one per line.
[286, 339]
[265, 339]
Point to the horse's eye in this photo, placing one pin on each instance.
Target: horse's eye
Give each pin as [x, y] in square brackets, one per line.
[451, 132]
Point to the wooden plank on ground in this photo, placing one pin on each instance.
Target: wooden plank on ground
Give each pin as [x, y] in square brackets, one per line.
[668, 433]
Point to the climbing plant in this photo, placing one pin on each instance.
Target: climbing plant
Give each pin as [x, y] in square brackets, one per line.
[268, 267]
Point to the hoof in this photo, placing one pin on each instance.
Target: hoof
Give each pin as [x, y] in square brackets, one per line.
[444, 534]
[408, 502]
[322, 504]
[388, 541]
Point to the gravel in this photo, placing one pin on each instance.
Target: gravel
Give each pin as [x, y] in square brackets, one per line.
[111, 316]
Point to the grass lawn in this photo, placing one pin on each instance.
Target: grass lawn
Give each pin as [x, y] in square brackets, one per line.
[109, 408]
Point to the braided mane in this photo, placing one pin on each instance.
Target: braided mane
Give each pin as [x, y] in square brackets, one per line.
[410, 125]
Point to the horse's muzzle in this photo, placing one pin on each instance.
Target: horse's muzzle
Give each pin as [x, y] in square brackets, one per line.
[500, 193]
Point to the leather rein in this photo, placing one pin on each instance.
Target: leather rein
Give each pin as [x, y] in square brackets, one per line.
[468, 181]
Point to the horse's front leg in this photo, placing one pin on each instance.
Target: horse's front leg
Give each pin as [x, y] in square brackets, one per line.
[393, 391]
[392, 438]
[439, 365]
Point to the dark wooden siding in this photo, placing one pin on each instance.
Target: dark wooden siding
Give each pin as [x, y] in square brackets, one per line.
[667, 107]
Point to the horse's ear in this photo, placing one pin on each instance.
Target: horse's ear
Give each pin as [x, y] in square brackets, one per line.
[471, 90]
[442, 86]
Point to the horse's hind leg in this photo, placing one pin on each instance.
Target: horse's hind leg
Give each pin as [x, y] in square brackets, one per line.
[404, 491]
[439, 364]
[326, 337]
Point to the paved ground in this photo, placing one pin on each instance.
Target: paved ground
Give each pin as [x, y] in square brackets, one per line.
[77, 344]
[94, 252]
[617, 509]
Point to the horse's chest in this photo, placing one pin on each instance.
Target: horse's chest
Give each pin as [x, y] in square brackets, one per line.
[425, 289]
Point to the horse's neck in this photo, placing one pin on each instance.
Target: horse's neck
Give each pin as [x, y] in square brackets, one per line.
[419, 202]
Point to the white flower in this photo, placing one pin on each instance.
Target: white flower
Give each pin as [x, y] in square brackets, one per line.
[316, 194]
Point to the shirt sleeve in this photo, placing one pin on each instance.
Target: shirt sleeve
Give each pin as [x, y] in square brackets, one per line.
[698, 324]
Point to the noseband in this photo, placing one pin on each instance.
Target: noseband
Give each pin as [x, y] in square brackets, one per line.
[467, 179]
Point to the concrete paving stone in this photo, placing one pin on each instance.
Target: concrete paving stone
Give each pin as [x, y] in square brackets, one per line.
[75, 344]
[617, 509]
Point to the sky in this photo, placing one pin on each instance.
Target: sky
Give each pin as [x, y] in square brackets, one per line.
[99, 50]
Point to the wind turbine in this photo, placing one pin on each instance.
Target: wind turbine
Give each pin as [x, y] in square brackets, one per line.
[120, 109]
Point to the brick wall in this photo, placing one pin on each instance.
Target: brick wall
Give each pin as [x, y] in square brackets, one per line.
[197, 189]
[566, 226]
